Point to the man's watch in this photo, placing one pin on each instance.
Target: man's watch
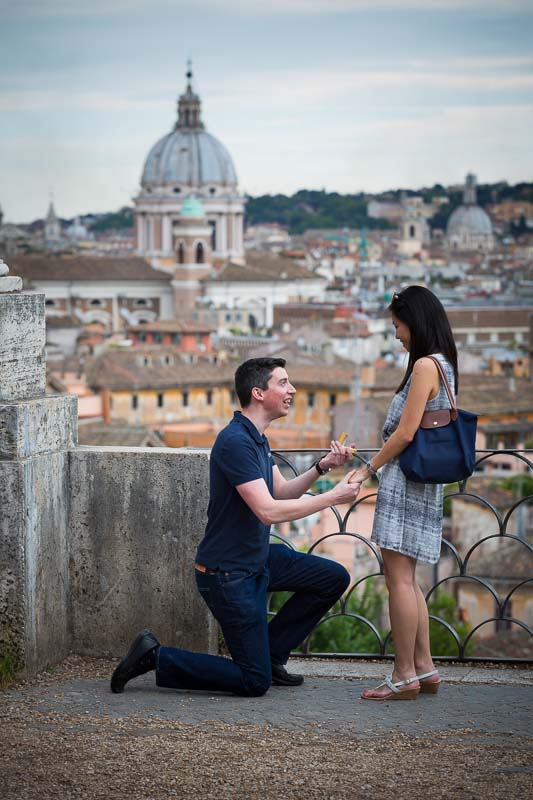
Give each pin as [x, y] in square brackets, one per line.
[319, 468]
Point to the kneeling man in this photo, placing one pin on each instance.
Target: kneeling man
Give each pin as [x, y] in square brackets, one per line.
[236, 566]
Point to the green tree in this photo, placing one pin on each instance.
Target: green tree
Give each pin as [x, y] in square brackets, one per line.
[442, 642]
[344, 634]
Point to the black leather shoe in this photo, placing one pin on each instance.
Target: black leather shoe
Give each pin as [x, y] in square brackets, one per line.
[139, 659]
[280, 676]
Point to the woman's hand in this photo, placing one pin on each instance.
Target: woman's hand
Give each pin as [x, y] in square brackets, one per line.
[338, 455]
[360, 475]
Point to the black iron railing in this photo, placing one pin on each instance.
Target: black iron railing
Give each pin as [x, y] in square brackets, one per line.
[497, 579]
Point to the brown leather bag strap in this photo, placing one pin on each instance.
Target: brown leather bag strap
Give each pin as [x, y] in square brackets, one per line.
[444, 379]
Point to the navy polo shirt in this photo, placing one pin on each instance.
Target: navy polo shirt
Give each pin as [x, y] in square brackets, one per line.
[234, 537]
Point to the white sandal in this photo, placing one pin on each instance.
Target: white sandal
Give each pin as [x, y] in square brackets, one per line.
[429, 687]
[395, 692]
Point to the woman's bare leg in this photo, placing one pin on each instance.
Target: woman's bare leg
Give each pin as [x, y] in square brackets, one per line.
[423, 660]
[404, 616]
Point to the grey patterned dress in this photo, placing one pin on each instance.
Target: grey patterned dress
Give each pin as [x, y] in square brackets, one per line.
[408, 516]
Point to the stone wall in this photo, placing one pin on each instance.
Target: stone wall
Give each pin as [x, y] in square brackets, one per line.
[95, 543]
[137, 516]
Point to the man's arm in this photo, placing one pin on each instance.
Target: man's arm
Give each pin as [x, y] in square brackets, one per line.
[270, 510]
[296, 487]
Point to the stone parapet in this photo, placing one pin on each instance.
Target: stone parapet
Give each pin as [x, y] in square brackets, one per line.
[35, 427]
[22, 346]
[137, 516]
[34, 561]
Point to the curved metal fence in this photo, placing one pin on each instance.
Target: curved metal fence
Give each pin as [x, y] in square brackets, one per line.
[480, 594]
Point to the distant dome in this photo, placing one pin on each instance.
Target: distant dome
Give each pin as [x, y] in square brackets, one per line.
[192, 207]
[471, 220]
[189, 155]
[194, 158]
[469, 226]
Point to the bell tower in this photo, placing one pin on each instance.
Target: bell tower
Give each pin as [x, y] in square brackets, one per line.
[192, 248]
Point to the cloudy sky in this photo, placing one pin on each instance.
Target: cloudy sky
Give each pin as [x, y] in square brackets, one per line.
[346, 95]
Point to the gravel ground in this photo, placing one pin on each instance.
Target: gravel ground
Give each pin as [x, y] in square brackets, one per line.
[64, 735]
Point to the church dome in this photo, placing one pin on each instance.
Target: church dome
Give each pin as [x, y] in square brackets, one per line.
[469, 226]
[189, 156]
[471, 220]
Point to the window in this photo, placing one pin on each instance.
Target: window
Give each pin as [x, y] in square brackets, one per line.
[212, 190]
[160, 400]
[141, 336]
[134, 401]
[199, 253]
[146, 361]
[176, 190]
[209, 397]
[411, 231]
[158, 337]
[176, 338]
[310, 399]
[168, 360]
[96, 302]
[141, 302]
[332, 400]
[181, 253]
[185, 399]
[50, 303]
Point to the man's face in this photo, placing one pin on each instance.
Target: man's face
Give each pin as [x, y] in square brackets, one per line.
[278, 395]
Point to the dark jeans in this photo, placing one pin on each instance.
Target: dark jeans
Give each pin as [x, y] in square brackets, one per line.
[238, 601]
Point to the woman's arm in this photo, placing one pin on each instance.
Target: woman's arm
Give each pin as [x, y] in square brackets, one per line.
[424, 386]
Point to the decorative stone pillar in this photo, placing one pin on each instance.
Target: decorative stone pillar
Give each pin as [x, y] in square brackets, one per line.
[36, 432]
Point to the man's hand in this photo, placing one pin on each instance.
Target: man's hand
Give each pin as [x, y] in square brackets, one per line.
[338, 455]
[346, 491]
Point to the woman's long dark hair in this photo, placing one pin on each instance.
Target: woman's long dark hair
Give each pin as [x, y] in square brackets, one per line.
[430, 330]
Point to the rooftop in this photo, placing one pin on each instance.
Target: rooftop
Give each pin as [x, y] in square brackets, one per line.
[262, 267]
[84, 268]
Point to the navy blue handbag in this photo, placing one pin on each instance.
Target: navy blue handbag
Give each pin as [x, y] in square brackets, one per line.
[444, 447]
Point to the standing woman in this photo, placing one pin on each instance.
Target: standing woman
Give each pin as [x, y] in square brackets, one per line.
[408, 517]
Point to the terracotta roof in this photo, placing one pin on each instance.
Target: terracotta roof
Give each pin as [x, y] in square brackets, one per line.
[488, 394]
[84, 268]
[171, 326]
[489, 317]
[263, 267]
[125, 368]
[307, 363]
[319, 375]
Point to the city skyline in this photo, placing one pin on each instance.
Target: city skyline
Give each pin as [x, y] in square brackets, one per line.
[347, 96]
